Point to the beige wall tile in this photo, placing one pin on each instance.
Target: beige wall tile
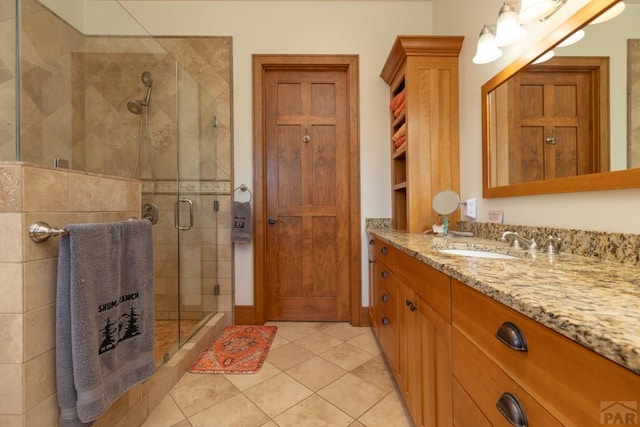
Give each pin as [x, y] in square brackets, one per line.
[94, 193]
[39, 331]
[43, 415]
[39, 379]
[11, 232]
[11, 390]
[45, 190]
[11, 421]
[11, 288]
[11, 338]
[136, 415]
[224, 269]
[10, 188]
[40, 283]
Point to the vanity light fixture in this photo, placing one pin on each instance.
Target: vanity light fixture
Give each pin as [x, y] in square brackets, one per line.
[572, 39]
[508, 29]
[487, 51]
[610, 13]
[544, 57]
[538, 10]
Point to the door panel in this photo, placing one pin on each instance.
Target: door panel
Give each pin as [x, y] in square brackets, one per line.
[551, 126]
[307, 160]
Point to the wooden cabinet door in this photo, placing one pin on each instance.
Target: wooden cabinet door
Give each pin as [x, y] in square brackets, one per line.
[409, 366]
[435, 363]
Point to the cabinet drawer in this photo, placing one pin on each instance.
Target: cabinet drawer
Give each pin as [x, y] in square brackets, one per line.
[384, 310]
[571, 381]
[428, 283]
[486, 384]
[382, 250]
[465, 412]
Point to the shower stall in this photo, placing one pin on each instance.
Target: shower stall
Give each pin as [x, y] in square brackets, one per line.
[95, 93]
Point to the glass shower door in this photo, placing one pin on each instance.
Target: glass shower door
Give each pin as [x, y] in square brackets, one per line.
[195, 205]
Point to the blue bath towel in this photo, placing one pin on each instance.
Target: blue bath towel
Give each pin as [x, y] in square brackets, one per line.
[104, 316]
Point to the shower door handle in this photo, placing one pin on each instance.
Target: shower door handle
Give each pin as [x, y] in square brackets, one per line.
[176, 214]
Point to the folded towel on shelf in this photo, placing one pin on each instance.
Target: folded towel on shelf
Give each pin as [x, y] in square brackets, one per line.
[400, 141]
[104, 316]
[397, 100]
[399, 110]
[400, 133]
[241, 231]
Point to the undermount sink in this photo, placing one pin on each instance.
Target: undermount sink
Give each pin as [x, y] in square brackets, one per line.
[476, 254]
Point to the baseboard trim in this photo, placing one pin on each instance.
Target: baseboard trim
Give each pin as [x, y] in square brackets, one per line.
[246, 315]
[365, 319]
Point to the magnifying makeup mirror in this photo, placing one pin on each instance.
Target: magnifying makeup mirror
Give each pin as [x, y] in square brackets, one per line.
[445, 203]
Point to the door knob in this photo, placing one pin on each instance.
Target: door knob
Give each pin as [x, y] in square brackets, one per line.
[272, 221]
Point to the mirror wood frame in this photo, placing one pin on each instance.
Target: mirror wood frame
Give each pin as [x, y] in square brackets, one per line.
[621, 179]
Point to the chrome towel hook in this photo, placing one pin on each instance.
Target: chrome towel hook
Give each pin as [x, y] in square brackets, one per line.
[243, 188]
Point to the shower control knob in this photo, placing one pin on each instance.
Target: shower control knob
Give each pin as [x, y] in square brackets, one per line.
[272, 221]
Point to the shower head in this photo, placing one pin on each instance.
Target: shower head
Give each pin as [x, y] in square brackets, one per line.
[135, 107]
[147, 79]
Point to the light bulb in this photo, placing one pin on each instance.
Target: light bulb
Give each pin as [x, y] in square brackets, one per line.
[610, 13]
[487, 50]
[508, 29]
[544, 57]
[572, 39]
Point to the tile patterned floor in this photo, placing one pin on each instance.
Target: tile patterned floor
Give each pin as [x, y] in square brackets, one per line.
[316, 374]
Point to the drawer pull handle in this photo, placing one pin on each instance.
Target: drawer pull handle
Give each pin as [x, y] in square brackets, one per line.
[384, 298]
[385, 321]
[383, 250]
[411, 305]
[511, 336]
[384, 274]
[371, 242]
[510, 408]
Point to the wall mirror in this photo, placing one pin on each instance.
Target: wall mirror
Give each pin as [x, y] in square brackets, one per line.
[609, 157]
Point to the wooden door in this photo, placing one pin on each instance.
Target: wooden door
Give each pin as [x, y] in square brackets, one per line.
[555, 121]
[307, 195]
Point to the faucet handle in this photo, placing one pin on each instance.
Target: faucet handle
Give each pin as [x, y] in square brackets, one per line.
[552, 245]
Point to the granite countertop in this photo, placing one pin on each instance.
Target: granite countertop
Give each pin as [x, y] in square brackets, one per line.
[595, 303]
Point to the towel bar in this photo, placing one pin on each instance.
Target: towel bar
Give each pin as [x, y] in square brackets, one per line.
[243, 188]
[40, 231]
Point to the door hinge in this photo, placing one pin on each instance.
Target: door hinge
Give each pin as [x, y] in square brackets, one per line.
[216, 289]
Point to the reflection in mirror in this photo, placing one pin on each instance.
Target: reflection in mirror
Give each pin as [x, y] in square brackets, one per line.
[445, 203]
[548, 125]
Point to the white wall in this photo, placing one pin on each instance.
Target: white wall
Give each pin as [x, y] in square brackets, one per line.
[368, 28]
[612, 211]
[365, 28]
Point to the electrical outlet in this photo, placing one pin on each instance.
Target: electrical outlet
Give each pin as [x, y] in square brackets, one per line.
[471, 208]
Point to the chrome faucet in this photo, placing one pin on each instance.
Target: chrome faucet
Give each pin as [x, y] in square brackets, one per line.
[517, 241]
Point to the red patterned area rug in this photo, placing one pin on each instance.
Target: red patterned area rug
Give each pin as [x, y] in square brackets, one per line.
[240, 349]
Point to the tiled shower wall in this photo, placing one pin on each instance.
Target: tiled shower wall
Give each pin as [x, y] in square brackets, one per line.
[28, 194]
[74, 95]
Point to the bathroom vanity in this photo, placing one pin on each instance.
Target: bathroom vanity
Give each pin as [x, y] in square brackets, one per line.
[533, 339]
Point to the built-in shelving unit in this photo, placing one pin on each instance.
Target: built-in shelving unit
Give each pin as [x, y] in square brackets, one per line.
[426, 69]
